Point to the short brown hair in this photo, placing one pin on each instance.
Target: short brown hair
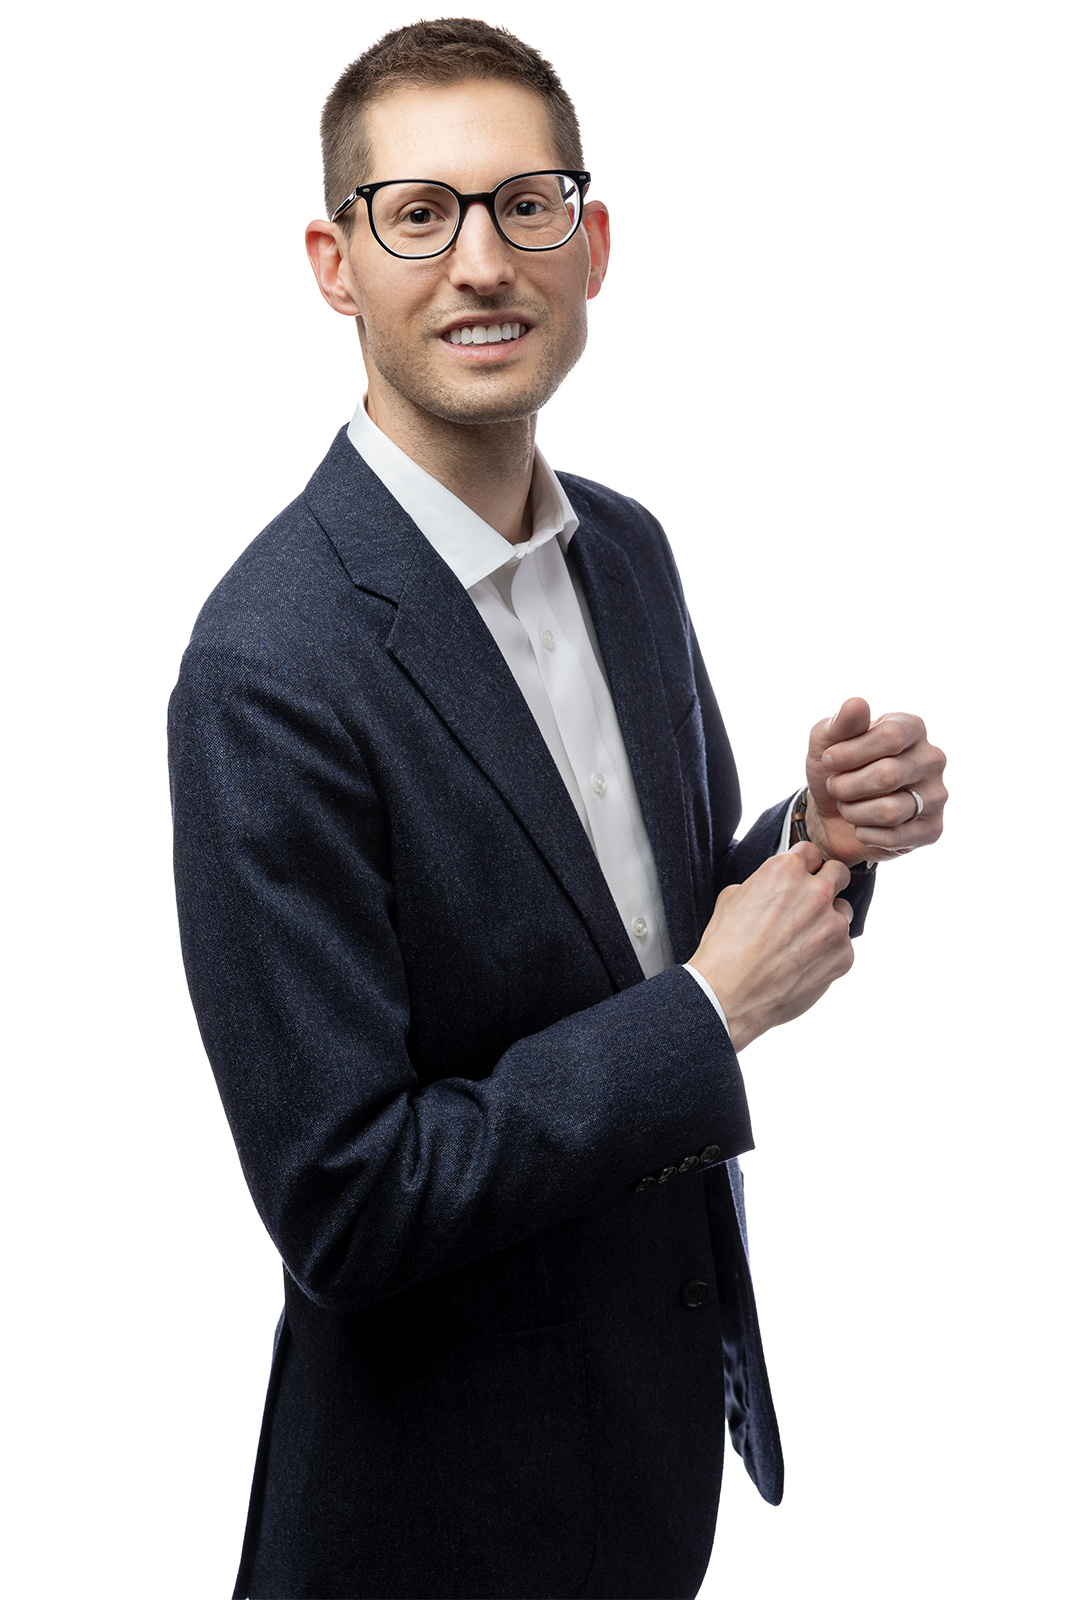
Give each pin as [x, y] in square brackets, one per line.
[444, 51]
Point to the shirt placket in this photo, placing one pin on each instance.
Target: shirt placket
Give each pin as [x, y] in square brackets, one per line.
[603, 786]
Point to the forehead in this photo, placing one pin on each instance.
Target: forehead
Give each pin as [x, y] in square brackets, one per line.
[471, 134]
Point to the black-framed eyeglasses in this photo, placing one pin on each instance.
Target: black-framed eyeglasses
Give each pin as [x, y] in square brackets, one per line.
[416, 218]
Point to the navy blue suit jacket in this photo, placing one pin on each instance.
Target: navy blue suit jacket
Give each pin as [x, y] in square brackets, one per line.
[447, 1077]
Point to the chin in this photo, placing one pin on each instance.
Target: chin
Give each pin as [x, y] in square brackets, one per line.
[485, 398]
[473, 410]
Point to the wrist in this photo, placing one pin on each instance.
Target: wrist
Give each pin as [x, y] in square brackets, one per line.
[804, 824]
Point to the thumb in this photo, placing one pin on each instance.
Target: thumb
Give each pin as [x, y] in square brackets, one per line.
[853, 719]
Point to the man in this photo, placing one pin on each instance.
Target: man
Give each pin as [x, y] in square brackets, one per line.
[453, 805]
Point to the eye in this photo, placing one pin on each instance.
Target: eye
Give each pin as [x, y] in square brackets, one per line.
[419, 216]
[528, 208]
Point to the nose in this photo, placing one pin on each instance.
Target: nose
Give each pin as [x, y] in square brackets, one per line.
[480, 260]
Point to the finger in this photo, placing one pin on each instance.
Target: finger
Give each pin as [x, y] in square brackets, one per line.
[809, 853]
[835, 873]
[885, 811]
[906, 836]
[919, 769]
[868, 798]
[846, 908]
[853, 719]
[889, 736]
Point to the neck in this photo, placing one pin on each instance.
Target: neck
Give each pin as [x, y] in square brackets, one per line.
[489, 466]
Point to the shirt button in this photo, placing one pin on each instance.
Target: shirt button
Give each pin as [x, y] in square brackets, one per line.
[598, 783]
[639, 927]
[548, 638]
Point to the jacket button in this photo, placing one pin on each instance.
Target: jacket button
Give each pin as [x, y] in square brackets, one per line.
[710, 1153]
[688, 1164]
[694, 1294]
[668, 1172]
[644, 1183]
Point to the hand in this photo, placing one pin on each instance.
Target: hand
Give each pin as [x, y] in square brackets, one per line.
[860, 777]
[777, 941]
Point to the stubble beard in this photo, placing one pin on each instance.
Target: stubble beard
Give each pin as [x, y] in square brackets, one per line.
[480, 395]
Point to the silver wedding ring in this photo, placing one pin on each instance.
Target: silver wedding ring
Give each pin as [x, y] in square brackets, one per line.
[918, 804]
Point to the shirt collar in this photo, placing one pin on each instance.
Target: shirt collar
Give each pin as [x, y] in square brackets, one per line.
[461, 538]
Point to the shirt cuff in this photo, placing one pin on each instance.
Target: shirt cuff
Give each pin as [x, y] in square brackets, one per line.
[783, 841]
[712, 996]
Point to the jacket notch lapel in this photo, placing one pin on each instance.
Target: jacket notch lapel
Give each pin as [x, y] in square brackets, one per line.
[627, 643]
[443, 645]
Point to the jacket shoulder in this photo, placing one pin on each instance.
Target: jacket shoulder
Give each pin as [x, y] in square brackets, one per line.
[319, 583]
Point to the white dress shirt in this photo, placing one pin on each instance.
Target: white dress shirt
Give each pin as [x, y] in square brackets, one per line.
[531, 600]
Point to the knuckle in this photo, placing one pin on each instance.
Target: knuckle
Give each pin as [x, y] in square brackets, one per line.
[894, 735]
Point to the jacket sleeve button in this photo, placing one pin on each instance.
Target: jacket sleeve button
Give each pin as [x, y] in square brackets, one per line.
[644, 1183]
[695, 1294]
[668, 1172]
[688, 1164]
[710, 1152]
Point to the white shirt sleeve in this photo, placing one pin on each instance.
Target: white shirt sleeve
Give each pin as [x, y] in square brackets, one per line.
[710, 992]
[783, 840]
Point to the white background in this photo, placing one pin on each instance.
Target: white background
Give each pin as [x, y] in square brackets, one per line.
[830, 355]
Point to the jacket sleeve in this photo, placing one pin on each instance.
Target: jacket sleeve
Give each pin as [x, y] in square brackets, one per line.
[368, 1177]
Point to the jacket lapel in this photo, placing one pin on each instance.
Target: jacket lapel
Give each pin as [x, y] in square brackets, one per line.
[628, 645]
[441, 642]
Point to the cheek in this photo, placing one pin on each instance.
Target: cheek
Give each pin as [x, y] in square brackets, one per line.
[390, 295]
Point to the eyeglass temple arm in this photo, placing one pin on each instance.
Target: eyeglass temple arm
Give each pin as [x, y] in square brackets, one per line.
[348, 201]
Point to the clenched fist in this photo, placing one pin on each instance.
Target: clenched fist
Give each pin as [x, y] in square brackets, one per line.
[866, 781]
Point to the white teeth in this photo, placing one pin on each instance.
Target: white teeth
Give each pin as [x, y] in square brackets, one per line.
[495, 334]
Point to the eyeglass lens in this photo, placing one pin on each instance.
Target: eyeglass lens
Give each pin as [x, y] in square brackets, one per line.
[419, 219]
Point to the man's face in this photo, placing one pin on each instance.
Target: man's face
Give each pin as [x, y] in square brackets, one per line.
[471, 135]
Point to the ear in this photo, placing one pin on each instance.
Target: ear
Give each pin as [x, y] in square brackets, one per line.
[595, 223]
[328, 255]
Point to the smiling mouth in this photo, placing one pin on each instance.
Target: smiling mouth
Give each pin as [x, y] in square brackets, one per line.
[495, 333]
